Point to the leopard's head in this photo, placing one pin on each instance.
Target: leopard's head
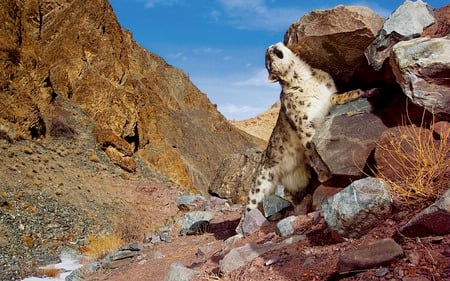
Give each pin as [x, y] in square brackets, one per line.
[280, 61]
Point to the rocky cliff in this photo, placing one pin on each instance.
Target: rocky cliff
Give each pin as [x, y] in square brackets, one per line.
[61, 54]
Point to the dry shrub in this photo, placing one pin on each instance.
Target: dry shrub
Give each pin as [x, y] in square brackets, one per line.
[417, 164]
[49, 272]
[130, 232]
[100, 246]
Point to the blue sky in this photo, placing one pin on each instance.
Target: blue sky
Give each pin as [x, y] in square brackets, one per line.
[220, 44]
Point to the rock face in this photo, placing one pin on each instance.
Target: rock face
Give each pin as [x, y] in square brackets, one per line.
[75, 51]
[422, 68]
[407, 22]
[335, 40]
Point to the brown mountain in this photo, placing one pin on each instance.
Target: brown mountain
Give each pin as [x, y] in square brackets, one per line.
[62, 56]
[260, 126]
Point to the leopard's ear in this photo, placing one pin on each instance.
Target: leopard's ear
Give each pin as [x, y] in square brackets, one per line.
[273, 78]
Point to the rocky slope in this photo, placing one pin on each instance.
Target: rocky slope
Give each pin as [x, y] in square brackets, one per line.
[93, 126]
[76, 52]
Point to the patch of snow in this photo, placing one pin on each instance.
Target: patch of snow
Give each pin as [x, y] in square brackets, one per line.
[68, 264]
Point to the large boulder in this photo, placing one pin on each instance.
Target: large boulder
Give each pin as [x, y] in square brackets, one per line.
[358, 208]
[334, 40]
[406, 22]
[346, 140]
[422, 68]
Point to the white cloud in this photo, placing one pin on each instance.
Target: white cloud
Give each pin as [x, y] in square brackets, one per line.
[178, 56]
[239, 95]
[234, 109]
[207, 51]
[258, 15]
[258, 79]
[153, 3]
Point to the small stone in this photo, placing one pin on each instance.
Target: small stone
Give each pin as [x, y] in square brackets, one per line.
[158, 255]
[272, 260]
[164, 234]
[28, 150]
[382, 271]
[202, 251]
[285, 226]
[252, 221]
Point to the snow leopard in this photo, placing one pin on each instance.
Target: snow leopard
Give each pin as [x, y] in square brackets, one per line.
[306, 97]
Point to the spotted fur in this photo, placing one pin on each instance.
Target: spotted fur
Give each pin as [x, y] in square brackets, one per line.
[306, 97]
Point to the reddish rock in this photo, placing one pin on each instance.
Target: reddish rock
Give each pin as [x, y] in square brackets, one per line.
[432, 221]
[371, 255]
[441, 27]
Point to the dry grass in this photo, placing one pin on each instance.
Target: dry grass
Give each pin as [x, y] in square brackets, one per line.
[49, 272]
[100, 246]
[417, 164]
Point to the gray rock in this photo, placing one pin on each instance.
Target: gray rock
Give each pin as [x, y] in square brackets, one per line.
[273, 204]
[406, 22]
[346, 140]
[178, 272]
[164, 234]
[284, 227]
[251, 222]
[195, 222]
[118, 259]
[421, 67]
[358, 208]
[375, 254]
[190, 202]
[432, 221]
